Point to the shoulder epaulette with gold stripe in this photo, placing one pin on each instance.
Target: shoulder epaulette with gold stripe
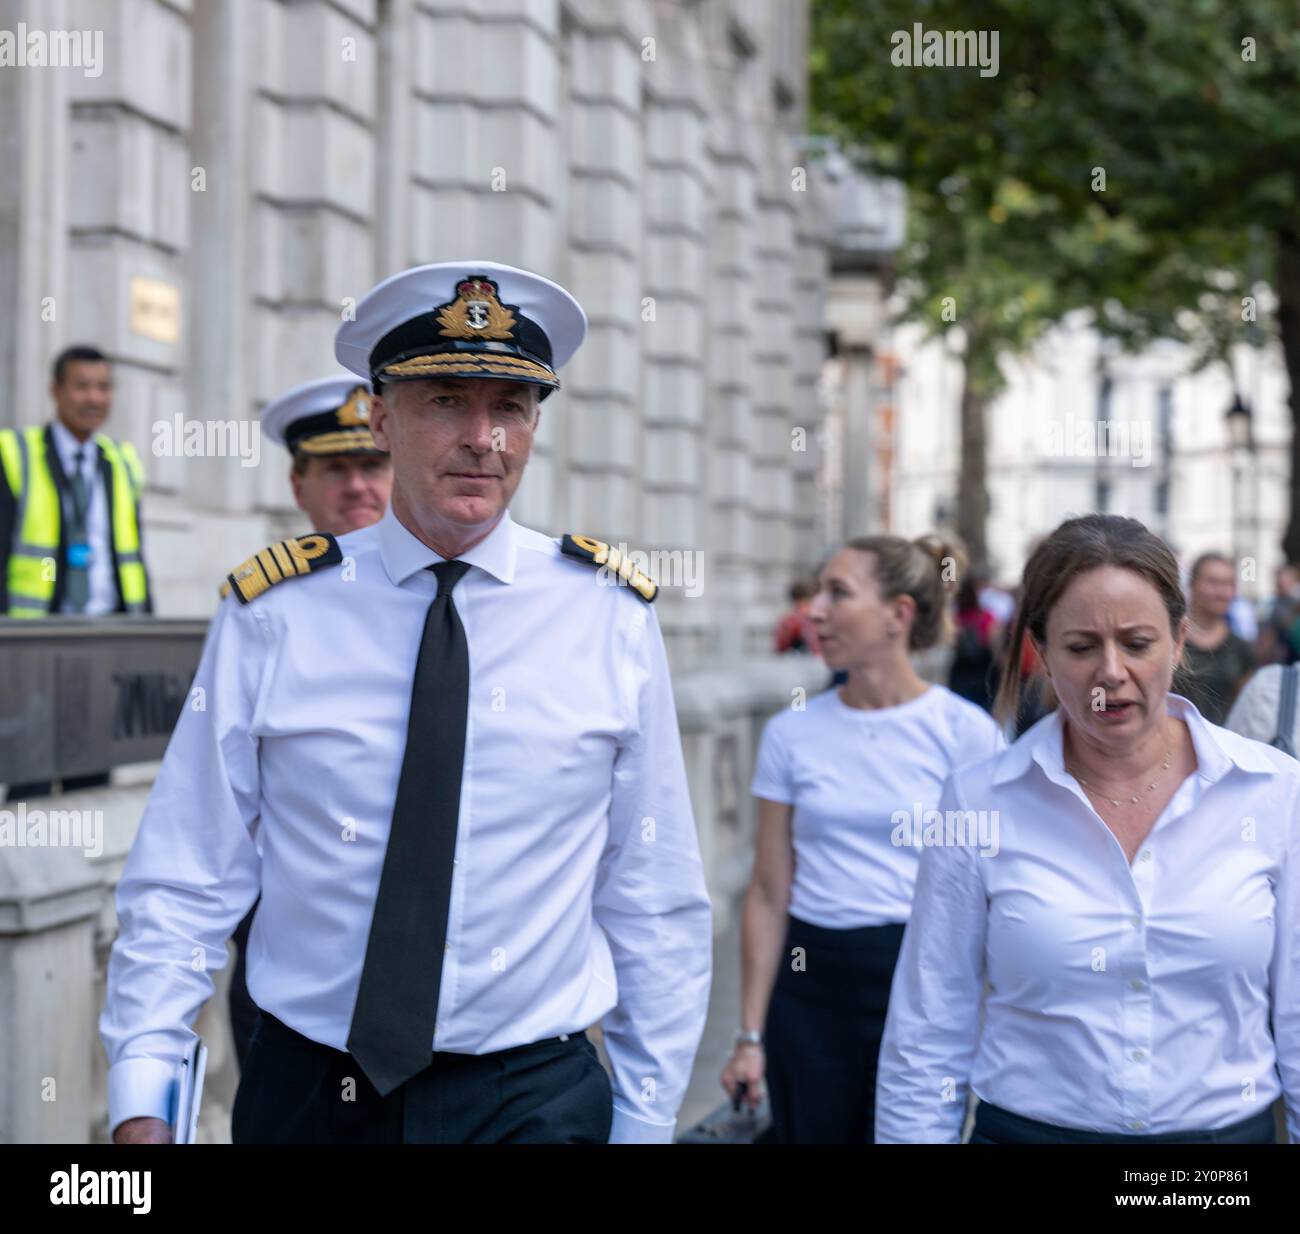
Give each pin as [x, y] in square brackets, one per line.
[601, 554]
[287, 559]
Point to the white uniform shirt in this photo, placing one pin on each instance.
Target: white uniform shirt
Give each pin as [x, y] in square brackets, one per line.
[852, 775]
[99, 529]
[577, 891]
[1256, 711]
[1127, 999]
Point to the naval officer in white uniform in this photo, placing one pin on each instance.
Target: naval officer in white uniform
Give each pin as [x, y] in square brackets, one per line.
[457, 740]
[341, 481]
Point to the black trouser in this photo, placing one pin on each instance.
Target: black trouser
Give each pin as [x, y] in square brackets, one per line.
[824, 1025]
[243, 1011]
[296, 1091]
[994, 1125]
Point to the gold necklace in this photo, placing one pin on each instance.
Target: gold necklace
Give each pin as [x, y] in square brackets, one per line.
[1134, 799]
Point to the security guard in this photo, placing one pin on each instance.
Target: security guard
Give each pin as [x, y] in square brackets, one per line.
[341, 481]
[70, 504]
[70, 517]
[457, 739]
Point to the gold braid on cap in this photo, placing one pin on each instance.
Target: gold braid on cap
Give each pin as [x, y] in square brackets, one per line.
[458, 363]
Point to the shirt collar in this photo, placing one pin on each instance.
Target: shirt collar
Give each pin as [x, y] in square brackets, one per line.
[1218, 750]
[67, 445]
[404, 555]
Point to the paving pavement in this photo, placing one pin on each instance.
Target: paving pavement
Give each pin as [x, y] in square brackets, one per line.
[705, 1094]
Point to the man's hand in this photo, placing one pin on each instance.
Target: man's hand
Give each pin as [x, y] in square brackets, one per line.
[143, 1131]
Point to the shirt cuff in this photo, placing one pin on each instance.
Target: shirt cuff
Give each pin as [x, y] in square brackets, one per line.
[771, 792]
[140, 1088]
[632, 1129]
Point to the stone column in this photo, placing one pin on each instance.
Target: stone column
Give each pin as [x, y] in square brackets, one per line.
[486, 167]
[394, 136]
[855, 309]
[217, 182]
[33, 223]
[605, 230]
[676, 342]
[775, 456]
[128, 218]
[733, 428]
[810, 526]
[313, 235]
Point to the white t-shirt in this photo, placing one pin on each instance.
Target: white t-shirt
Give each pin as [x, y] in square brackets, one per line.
[848, 772]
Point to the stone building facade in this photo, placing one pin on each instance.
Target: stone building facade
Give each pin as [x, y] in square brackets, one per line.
[1081, 426]
[208, 205]
[239, 172]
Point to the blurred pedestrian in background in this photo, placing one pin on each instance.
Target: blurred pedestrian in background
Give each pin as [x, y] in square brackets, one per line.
[1243, 619]
[70, 504]
[1033, 690]
[970, 674]
[834, 863]
[1279, 627]
[70, 516]
[794, 631]
[997, 600]
[1262, 712]
[1217, 661]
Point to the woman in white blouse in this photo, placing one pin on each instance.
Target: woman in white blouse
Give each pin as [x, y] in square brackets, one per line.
[1138, 926]
[844, 785]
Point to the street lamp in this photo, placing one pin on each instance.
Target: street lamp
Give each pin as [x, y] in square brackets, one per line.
[1238, 416]
[1241, 441]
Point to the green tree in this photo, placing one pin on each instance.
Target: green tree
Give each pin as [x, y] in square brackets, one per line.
[1158, 143]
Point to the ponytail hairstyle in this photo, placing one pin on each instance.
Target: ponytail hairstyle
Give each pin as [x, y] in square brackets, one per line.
[928, 570]
[1075, 547]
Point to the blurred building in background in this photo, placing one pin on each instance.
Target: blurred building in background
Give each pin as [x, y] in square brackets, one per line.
[869, 220]
[1081, 427]
[210, 204]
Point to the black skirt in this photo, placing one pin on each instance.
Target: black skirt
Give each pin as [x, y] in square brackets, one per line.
[994, 1125]
[823, 1031]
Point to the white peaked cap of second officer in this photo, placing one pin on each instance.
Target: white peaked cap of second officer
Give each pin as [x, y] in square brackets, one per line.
[327, 415]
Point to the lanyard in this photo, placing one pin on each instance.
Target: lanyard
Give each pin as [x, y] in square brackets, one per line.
[80, 511]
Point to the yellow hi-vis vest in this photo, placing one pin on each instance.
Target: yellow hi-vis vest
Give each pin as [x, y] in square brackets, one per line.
[34, 552]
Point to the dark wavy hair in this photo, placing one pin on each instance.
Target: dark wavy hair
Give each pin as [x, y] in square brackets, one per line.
[1075, 547]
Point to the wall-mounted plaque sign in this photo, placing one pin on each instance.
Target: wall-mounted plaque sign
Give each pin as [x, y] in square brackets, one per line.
[155, 309]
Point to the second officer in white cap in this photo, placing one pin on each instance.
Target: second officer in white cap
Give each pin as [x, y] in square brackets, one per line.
[340, 478]
[458, 740]
[341, 481]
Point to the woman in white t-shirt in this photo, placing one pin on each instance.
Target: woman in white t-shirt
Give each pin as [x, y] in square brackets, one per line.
[846, 787]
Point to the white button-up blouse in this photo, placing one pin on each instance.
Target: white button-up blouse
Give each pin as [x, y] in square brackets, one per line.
[1135, 999]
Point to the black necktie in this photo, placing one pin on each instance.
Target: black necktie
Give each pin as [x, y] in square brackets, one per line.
[397, 1003]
